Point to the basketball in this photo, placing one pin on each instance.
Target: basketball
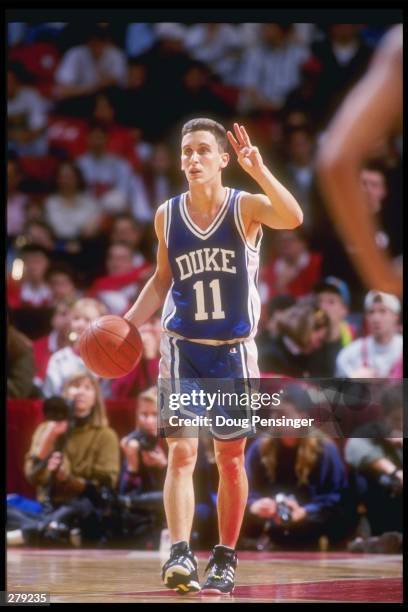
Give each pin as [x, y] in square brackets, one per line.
[111, 347]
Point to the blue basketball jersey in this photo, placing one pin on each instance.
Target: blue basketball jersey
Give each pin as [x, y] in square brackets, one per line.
[214, 295]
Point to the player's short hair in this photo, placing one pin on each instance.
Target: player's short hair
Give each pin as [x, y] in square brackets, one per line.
[207, 125]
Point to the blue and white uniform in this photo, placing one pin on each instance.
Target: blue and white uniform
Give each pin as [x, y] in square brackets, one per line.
[211, 312]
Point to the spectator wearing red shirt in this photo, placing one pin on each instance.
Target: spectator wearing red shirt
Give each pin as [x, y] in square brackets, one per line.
[31, 288]
[293, 270]
[122, 283]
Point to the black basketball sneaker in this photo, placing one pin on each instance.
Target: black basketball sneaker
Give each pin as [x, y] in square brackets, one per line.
[221, 575]
[180, 571]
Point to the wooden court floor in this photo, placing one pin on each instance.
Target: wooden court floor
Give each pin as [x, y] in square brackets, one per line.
[83, 575]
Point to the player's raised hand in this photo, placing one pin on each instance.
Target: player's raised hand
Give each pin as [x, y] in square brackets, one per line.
[249, 157]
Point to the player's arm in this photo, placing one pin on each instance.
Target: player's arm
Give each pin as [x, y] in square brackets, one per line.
[369, 114]
[276, 208]
[154, 293]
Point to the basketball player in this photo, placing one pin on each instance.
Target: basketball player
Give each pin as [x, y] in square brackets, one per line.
[206, 274]
[370, 114]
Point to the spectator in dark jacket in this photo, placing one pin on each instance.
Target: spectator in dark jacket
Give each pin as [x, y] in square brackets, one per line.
[307, 472]
[20, 364]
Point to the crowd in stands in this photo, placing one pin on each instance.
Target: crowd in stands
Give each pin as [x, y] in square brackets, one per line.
[94, 116]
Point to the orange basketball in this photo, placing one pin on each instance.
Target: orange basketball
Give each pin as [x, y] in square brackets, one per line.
[111, 346]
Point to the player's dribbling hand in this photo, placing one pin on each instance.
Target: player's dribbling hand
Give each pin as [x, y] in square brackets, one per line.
[249, 157]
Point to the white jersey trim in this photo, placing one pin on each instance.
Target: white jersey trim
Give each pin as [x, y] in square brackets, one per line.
[215, 224]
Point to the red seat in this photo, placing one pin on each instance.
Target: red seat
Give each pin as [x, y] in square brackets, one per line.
[41, 169]
[40, 59]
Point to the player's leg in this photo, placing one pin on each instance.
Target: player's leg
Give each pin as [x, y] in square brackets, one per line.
[178, 487]
[231, 503]
[180, 571]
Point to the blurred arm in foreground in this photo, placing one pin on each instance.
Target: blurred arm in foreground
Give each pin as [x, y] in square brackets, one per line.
[371, 113]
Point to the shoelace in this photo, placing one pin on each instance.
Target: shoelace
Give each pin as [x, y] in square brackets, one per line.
[181, 556]
[218, 569]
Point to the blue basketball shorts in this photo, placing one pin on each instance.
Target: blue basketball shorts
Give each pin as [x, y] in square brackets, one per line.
[222, 371]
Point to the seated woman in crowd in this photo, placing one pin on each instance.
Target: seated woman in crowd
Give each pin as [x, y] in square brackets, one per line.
[72, 212]
[296, 350]
[67, 361]
[296, 484]
[71, 461]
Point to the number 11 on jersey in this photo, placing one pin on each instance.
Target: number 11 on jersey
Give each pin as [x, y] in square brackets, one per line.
[201, 314]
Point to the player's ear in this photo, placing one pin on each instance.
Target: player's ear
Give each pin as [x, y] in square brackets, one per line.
[224, 159]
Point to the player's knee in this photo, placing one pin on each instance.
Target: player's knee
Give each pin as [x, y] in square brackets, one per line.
[230, 461]
[182, 456]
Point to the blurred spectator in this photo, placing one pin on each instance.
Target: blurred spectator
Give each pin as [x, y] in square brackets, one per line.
[16, 200]
[307, 472]
[62, 282]
[126, 229]
[299, 170]
[91, 67]
[375, 452]
[111, 178]
[196, 95]
[276, 307]
[343, 58]
[57, 339]
[375, 355]
[302, 330]
[143, 472]
[333, 297]
[146, 372]
[303, 97]
[120, 139]
[132, 102]
[373, 180]
[70, 211]
[118, 289]
[294, 269]
[27, 285]
[37, 231]
[160, 175]
[219, 45]
[26, 115]
[271, 69]
[71, 461]
[20, 364]
[66, 362]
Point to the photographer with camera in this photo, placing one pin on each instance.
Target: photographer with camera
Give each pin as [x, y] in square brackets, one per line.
[74, 463]
[296, 485]
[375, 457]
[142, 476]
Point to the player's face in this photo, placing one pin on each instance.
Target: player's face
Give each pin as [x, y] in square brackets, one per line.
[201, 158]
[147, 416]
